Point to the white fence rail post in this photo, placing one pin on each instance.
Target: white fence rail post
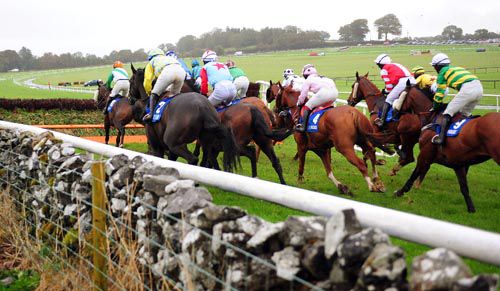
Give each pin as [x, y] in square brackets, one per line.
[466, 241]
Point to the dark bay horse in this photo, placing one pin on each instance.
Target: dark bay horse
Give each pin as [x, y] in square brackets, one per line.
[479, 141]
[121, 115]
[248, 124]
[404, 132]
[188, 117]
[341, 127]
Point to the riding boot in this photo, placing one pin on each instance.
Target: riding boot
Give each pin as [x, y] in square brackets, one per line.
[153, 99]
[440, 138]
[301, 127]
[380, 122]
[105, 110]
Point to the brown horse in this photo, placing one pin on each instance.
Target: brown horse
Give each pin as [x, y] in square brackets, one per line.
[404, 132]
[341, 127]
[187, 118]
[121, 115]
[478, 142]
[248, 124]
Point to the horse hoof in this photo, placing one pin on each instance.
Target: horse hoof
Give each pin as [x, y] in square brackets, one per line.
[345, 190]
[399, 193]
[381, 162]
[392, 173]
[120, 146]
[300, 179]
[471, 210]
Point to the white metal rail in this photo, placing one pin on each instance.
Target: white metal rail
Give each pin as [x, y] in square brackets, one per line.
[466, 241]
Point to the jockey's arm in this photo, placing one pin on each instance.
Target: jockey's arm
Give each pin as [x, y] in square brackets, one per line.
[109, 81]
[204, 81]
[303, 93]
[149, 75]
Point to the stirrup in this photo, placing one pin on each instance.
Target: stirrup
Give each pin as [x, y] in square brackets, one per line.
[378, 122]
[300, 128]
[147, 117]
[435, 140]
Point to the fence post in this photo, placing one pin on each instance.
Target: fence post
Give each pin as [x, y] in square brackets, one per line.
[99, 226]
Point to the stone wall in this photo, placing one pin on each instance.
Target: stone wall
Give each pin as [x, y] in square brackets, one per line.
[183, 236]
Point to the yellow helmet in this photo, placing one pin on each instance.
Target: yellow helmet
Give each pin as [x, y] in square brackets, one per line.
[418, 70]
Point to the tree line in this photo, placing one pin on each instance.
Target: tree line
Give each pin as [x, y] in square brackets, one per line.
[230, 40]
[25, 60]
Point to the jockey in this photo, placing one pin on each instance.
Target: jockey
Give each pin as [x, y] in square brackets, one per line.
[195, 72]
[183, 64]
[240, 80]
[118, 82]
[424, 81]
[288, 76]
[469, 93]
[217, 75]
[324, 90]
[168, 71]
[395, 77]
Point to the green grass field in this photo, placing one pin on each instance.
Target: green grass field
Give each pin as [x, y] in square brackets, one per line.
[439, 196]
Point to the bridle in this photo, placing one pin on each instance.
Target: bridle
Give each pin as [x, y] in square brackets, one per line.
[354, 96]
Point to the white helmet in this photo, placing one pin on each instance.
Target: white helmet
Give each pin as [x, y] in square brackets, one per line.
[383, 59]
[288, 72]
[209, 56]
[440, 59]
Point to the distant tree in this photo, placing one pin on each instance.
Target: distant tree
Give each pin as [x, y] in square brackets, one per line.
[9, 59]
[452, 32]
[354, 31]
[481, 34]
[167, 46]
[186, 43]
[27, 59]
[388, 24]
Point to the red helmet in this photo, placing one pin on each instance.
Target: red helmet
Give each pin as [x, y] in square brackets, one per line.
[230, 64]
[117, 64]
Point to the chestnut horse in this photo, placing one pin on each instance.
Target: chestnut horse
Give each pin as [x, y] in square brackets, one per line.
[248, 124]
[478, 142]
[341, 127]
[404, 132]
[121, 115]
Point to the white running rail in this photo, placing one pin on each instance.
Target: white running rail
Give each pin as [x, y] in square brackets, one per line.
[470, 242]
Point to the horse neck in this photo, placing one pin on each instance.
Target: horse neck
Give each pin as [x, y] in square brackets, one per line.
[417, 101]
[371, 93]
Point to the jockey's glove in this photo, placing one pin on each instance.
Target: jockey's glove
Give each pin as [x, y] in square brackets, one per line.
[384, 92]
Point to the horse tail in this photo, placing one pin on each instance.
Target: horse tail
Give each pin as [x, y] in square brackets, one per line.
[231, 160]
[365, 128]
[261, 127]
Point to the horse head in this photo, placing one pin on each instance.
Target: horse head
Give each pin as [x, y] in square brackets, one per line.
[273, 91]
[415, 100]
[101, 95]
[137, 91]
[363, 89]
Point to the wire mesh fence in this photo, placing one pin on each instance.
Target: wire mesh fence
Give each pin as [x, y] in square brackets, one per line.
[136, 256]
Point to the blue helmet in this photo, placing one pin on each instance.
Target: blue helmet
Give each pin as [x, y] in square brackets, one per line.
[194, 63]
[171, 53]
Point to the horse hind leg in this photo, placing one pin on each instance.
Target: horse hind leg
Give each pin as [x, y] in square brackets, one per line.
[107, 125]
[464, 188]
[350, 155]
[267, 148]
[325, 156]
[369, 154]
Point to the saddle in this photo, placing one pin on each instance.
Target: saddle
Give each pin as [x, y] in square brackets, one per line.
[456, 124]
[224, 107]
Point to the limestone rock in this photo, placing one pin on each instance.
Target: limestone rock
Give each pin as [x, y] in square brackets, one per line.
[301, 230]
[339, 226]
[186, 202]
[356, 248]
[207, 217]
[314, 260]
[385, 268]
[115, 163]
[437, 269]
[157, 183]
[484, 282]
[287, 263]
[266, 238]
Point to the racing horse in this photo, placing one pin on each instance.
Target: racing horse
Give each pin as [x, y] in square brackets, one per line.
[477, 142]
[340, 127]
[120, 115]
[248, 124]
[404, 132]
[187, 118]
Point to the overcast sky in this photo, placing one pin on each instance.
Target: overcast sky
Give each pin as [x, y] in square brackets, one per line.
[99, 27]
